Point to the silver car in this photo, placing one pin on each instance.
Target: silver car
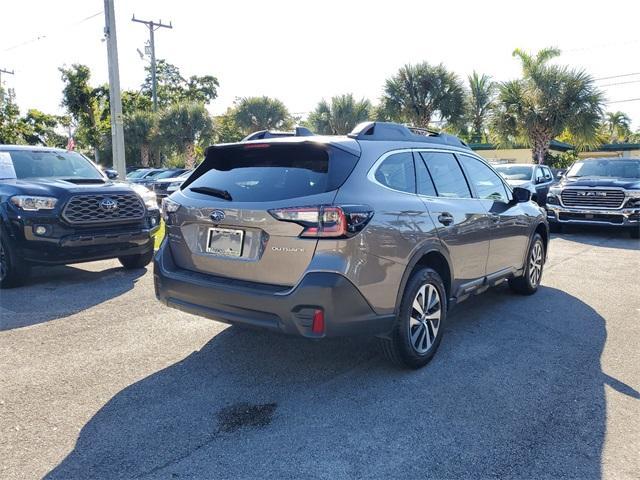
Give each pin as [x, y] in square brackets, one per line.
[379, 232]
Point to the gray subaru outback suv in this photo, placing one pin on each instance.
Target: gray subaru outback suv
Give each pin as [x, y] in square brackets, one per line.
[378, 232]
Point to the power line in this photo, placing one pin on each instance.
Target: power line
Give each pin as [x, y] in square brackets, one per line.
[617, 76]
[47, 35]
[620, 83]
[622, 101]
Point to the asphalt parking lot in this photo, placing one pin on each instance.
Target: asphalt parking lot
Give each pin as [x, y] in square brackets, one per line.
[98, 380]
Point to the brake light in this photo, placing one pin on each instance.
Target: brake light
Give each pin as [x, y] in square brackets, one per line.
[326, 221]
[317, 326]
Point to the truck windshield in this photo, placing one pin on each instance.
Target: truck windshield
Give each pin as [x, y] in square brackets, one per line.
[51, 164]
[614, 168]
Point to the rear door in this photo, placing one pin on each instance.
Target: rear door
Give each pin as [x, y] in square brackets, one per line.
[224, 227]
[462, 220]
[509, 231]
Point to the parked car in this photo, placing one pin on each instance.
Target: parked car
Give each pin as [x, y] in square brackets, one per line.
[379, 232]
[143, 174]
[598, 191]
[535, 178]
[57, 207]
[166, 186]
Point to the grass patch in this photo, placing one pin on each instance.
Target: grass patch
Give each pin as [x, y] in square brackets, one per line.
[159, 235]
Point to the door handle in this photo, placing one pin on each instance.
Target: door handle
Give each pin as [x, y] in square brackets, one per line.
[445, 218]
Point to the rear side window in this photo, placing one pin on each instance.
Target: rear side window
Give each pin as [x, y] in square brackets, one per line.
[271, 172]
[446, 174]
[396, 172]
[486, 183]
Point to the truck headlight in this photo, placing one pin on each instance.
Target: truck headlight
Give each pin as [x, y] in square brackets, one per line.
[32, 203]
[555, 191]
[148, 196]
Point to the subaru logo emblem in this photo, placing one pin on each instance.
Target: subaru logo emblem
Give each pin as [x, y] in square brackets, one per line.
[217, 215]
[108, 205]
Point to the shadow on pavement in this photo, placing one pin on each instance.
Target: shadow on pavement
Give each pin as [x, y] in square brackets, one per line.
[55, 292]
[599, 236]
[507, 395]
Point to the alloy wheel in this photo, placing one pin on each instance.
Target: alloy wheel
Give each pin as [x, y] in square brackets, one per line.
[535, 264]
[424, 321]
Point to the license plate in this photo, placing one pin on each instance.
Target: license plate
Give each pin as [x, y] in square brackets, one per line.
[224, 241]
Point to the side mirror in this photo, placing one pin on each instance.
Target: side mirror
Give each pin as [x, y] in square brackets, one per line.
[521, 195]
[111, 174]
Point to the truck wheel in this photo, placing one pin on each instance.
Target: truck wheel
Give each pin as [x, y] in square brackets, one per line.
[141, 260]
[419, 324]
[528, 283]
[13, 270]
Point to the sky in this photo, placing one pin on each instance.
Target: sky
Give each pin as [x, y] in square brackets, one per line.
[301, 52]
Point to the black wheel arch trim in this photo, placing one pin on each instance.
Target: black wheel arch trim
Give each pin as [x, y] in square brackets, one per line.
[430, 247]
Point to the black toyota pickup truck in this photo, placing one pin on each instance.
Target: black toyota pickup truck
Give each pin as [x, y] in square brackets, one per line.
[57, 207]
[597, 191]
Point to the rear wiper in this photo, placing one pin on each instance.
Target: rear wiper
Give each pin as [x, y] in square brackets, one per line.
[214, 192]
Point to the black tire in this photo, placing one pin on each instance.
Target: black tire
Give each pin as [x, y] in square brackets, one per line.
[398, 346]
[529, 282]
[13, 270]
[555, 227]
[141, 260]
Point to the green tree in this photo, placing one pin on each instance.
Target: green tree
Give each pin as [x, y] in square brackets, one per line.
[11, 126]
[418, 92]
[40, 129]
[617, 126]
[479, 103]
[253, 114]
[547, 101]
[173, 87]
[183, 126]
[139, 130]
[88, 106]
[340, 116]
[226, 128]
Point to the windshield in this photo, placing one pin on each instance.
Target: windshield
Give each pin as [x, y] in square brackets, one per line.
[627, 168]
[51, 164]
[138, 173]
[515, 172]
[271, 172]
[166, 174]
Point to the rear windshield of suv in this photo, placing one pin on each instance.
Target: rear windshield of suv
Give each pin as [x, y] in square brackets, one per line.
[271, 171]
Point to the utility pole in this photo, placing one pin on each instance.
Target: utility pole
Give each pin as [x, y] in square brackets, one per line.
[2, 70]
[153, 26]
[117, 130]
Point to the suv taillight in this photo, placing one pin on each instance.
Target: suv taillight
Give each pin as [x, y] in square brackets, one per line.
[326, 221]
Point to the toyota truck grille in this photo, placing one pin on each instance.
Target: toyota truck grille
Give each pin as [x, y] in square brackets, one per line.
[592, 198]
[84, 209]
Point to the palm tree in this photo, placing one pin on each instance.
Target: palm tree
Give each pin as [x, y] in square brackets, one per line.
[479, 103]
[340, 116]
[417, 92]
[253, 114]
[183, 125]
[139, 128]
[547, 101]
[617, 125]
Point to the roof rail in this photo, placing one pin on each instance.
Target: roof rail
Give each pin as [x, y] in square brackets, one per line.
[396, 131]
[298, 132]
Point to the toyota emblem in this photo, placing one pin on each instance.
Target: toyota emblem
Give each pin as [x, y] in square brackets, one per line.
[109, 205]
[217, 215]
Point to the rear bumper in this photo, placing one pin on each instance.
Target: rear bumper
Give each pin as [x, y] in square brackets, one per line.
[281, 309]
[625, 217]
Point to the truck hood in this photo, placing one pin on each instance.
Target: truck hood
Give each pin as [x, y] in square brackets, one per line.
[602, 182]
[58, 187]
